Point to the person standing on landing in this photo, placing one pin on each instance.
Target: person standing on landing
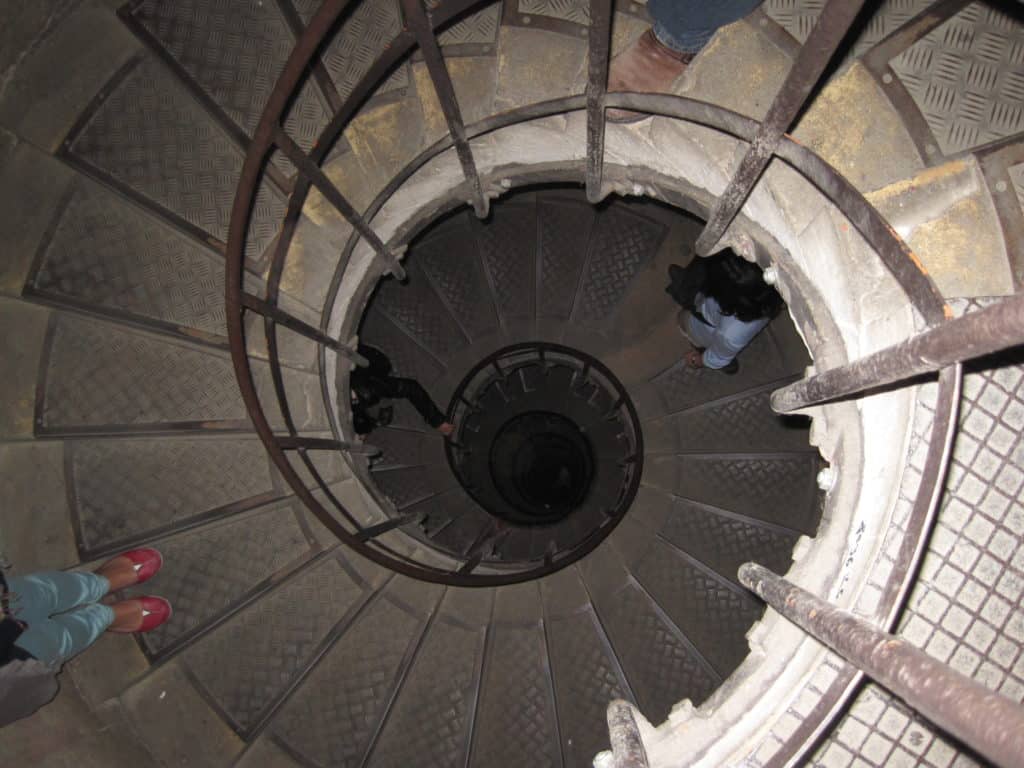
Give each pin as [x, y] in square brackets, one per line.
[50, 617]
[661, 55]
[726, 303]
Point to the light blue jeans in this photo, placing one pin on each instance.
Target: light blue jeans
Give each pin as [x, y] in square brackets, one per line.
[687, 25]
[62, 612]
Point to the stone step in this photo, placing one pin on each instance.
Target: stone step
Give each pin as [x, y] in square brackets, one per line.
[776, 488]
[661, 665]
[104, 378]
[516, 669]
[211, 572]
[174, 158]
[336, 715]
[586, 671]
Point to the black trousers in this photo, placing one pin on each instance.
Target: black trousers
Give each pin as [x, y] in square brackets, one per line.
[397, 388]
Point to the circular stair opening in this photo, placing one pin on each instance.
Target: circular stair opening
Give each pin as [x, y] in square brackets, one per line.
[544, 433]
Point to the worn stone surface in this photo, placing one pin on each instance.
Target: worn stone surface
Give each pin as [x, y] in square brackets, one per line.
[34, 519]
[31, 187]
[473, 79]
[55, 80]
[534, 66]
[855, 128]
[176, 723]
[22, 330]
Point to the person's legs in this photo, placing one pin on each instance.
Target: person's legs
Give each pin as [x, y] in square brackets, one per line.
[413, 391]
[699, 333]
[62, 637]
[686, 26]
[40, 595]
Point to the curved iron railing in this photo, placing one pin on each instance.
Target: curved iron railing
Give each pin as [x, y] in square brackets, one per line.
[420, 33]
[766, 140]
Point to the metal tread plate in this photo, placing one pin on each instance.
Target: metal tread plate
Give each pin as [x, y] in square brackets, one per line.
[106, 254]
[150, 137]
[967, 77]
[246, 663]
[208, 571]
[125, 488]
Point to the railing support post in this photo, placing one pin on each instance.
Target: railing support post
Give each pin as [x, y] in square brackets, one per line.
[599, 44]
[985, 720]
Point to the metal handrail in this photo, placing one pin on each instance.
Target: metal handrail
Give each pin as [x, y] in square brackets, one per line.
[269, 135]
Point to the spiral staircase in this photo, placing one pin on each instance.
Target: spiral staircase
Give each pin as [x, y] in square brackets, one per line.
[348, 603]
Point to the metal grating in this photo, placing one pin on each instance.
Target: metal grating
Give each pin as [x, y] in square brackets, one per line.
[798, 17]
[621, 245]
[207, 571]
[109, 255]
[247, 663]
[124, 488]
[100, 375]
[332, 717]
[151, 136]
[967, 77]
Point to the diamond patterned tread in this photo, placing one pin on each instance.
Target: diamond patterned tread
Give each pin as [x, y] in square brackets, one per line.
[332, 717]
[621, 244]
[777, 489]
[107, 254]
[659, 666]
[575, 11]
[414, 306]
[407, 485]
[743, 423]
[450, 258]
[444, 673]
[724, 543]
[209, 570]
[480, 28]
[713, 615]
[407, 358]
[564, 229]
[515, 671]
[362, 37]
[967, 77]
[99, 374]
[125, 488]
[509, 254]
[762, 362]
[405, 448]
[151, 136]
[245, 664]
[586, 680]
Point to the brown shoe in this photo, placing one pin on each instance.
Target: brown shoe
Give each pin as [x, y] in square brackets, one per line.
[646, 66]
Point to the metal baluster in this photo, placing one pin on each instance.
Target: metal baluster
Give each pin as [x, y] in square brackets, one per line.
[599, 44]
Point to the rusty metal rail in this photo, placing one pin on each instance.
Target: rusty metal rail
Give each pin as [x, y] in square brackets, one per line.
[987, 721]
[980, 333]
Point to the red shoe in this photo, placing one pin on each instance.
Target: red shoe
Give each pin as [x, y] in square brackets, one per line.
[147, 562]
[155, 611]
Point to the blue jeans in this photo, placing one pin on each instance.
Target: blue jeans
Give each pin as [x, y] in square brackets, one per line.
[62, 612]
[687, 25]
